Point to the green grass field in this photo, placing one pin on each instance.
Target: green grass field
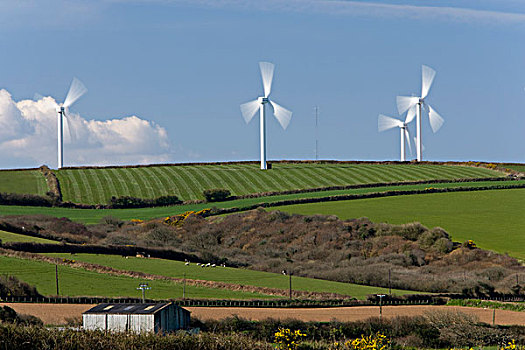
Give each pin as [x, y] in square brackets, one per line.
[172, 268]
[494, 219]
[93, 216]
[15, 237]
[79, 282]
[187, 182]
[23, 181]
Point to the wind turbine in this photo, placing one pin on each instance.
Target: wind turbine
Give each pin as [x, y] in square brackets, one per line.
[76, 90]
[249, 109]
[406, 103]
[385, 123]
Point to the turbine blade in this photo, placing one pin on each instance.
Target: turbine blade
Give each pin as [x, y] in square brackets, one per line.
[407, 138]
[385, 123]
[249, 109]
[68, 135]
[267, 76]
[436, 121]
[282, 114]
[411, 114]
[422, 145]
[76, 90]
[427, 77]
[405, 102]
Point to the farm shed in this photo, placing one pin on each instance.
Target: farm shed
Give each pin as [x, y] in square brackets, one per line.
[147, 317]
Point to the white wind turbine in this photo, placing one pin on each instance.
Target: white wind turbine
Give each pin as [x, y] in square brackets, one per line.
[249, 109]
[76, 90]
[413, 105]
[386, 123]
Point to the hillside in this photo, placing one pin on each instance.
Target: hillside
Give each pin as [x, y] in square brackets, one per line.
[493, 219]
[94, 216]
[97, 185]
[351, 251]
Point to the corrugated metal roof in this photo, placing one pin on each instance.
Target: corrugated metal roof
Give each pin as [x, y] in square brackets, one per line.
[147, 308]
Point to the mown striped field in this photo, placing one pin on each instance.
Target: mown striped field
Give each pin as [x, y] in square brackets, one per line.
[98, 185]
[23, 181]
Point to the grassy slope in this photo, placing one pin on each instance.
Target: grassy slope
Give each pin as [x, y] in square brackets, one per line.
[229, 275]
[78, 282]
[517, 167]
[89, 216]
[23, 181]
[188, 182]
[15, 237]
[493, 219]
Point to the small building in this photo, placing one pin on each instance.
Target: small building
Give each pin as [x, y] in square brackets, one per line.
[147, 317]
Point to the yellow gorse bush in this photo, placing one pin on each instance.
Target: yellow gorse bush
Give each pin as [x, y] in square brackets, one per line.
[376, 341]
[511, 345]
[287, 339]
[177, 220]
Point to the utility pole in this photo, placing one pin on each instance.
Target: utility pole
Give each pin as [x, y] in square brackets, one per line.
[143, 287]
[389, 281]
[184, 287]
[381, 296]
[56, 278]
[316, 133]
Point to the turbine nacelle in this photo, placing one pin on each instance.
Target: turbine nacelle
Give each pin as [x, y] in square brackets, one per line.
[415, 105]
[249, 109]
[385, 123]
[76, 90]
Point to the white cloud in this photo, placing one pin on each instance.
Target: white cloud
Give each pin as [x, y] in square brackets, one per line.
[506, 12]
[28, 135]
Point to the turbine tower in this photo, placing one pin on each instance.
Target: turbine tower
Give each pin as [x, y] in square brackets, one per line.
[415, 104]
[249, 109]
[385, 123]
[76, 90]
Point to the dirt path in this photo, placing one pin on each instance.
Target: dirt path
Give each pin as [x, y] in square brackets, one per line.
[57, 313]
[503, 317]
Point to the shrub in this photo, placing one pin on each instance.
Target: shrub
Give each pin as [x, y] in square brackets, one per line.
[126, 202]
[133, 202]
[12, 286]
[164, 201]
[216, 195]
[375, 341]
[287, 339]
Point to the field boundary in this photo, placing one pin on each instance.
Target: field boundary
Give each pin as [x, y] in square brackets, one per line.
[344, 197]
[298, 161]
[61, 204]
[415, 299]
[274, 303]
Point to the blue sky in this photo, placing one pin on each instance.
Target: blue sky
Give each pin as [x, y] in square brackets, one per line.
[184, 67]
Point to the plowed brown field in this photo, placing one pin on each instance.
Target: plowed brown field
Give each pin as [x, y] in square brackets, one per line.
[58, 313]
